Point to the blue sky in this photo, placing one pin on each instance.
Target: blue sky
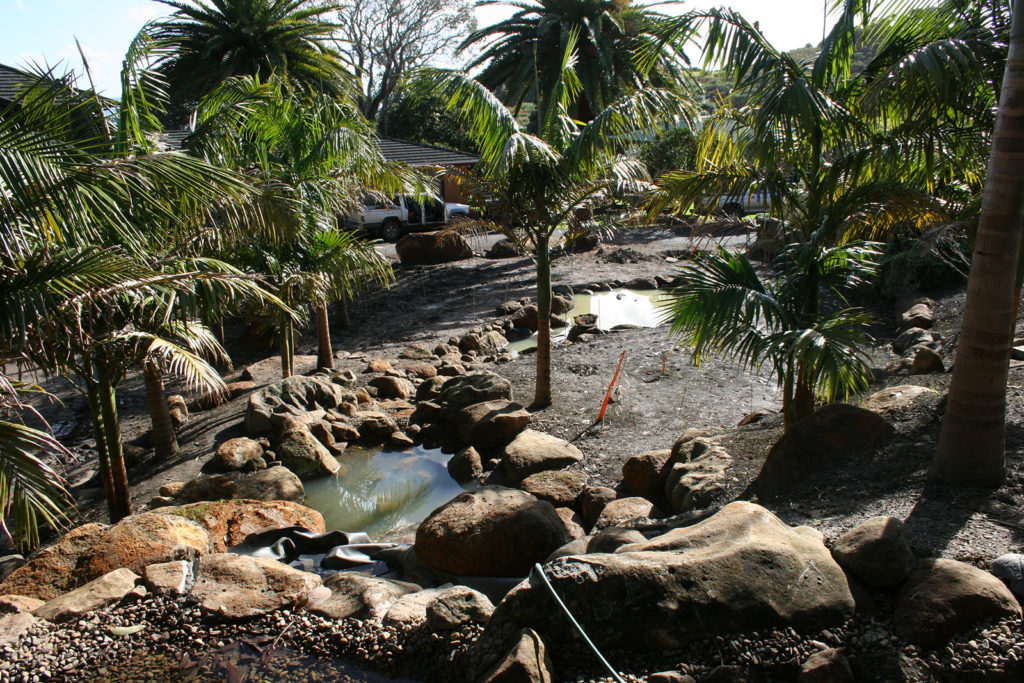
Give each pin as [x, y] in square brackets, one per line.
[44, 31]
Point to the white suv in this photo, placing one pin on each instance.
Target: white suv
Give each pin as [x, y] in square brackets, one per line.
[390, 219]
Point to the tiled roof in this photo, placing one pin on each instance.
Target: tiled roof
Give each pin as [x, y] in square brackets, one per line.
[416, 154]
[11, 82]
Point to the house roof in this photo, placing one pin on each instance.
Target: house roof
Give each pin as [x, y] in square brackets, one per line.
[12, 82]
[417, 154]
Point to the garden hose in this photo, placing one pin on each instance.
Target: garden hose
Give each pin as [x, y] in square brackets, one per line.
[586, 638]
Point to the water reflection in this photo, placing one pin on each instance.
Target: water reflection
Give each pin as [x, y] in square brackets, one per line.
[383, 489]
[638, 308]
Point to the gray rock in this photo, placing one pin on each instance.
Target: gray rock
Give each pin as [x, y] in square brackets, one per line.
[489, 342]
[410, 609]
[699, 479]
[457, 606]
[877, 552]
[826, 666]
[465, 465]
[644, 474]
[561, 488]
[739, 570]
[276, 483]
[237, 586]
[465, 390]
[919, 315]
[432, 248]
[593, 500]
[236, 455]
[926, 361]
[943, 597]
[14, 626]
[892, 400]
[490, 531]
[1009, 569]
[393, 387]
[611, 539]
[8, 563]
[296, 394]
[490, 424]
[303, 454]
[912, 337]
[527, 662]
[107, 590]
[360, 596]
[532, 451]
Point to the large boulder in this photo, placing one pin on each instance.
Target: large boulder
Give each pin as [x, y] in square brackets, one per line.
[488, 342]
[478, 387]
[359, 596]
[465, 465]
[53, 570]
[276, 483]
[303, 454]
[230, 522]
[818, 443]
[237, 586]
[490, 424]
[296, 394]
[532, 451]
[877, 552]
[622, 510]
[107, 590]
[737, 571]
[93, 550]
[490, 531]
[432, 248]
[392, 387]
[943, 597]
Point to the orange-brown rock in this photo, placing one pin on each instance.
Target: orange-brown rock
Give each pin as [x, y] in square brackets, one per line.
[230, 521]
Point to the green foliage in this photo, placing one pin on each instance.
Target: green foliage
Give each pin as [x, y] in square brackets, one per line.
[674, 148]
[909, 265]
[422, 117]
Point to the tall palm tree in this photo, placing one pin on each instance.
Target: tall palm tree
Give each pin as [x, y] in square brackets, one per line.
[93, 219]
[541, 181]
[523, 54]
[971, 444]
[838, 160]
[315, 157]
[213, 40]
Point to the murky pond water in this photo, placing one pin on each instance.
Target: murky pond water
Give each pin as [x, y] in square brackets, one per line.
[618, 307]
[377, 491]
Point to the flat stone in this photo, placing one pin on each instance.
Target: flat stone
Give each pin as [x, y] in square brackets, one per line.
[411, 609]
[107, 590]
[561, 488]
[532, 451]
[360, 596]
[624, 509]
[13, 604]
[14, 626]
[237, 586]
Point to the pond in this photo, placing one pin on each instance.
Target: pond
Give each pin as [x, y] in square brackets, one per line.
[638, 308]
[377, 491]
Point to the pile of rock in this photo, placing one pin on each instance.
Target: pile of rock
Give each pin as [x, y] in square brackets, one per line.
[918, 345]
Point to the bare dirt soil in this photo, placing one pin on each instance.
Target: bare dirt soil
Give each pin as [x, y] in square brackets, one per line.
[660, 393]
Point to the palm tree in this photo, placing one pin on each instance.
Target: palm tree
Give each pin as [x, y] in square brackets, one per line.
[541, 181]
[213, 40]
[315, 157]
[720, 305]
[93, 221]
[971, 444]
[617, 45]
[837, 165]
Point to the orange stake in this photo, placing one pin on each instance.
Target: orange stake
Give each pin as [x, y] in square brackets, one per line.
[607, 396]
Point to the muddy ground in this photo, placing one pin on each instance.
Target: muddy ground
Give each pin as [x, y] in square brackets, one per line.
[660, 393]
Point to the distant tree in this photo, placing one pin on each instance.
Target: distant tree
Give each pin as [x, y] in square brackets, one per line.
[210, 41]
[422, 117]
[381, 40]
[675, 148]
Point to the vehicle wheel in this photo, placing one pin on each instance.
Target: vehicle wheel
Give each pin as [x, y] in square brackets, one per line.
[390, 230]
[733, 209]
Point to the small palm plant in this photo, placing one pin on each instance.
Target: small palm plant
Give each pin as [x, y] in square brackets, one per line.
[719, 304]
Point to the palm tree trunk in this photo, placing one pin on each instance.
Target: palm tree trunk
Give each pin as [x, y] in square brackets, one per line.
[100, 434]
[341, 313]
[542, 396]
[286, 343]
[120, 503]
[971, 444]
[164, 442]
[324, 356]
